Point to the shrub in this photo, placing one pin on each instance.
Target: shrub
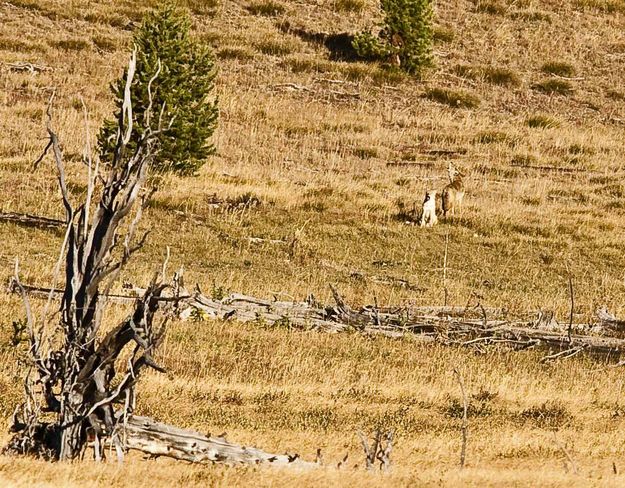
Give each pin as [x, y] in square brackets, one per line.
[558, 68]
[368, 46]
[452, 98]
[181, 91]
[407, 33]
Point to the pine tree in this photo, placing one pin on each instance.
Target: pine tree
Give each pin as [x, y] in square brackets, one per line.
[406, 35]
[182, 91]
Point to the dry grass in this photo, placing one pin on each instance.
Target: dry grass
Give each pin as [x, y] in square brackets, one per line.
[313, 163]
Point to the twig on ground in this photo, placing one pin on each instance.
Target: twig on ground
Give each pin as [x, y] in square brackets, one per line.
[569, 353]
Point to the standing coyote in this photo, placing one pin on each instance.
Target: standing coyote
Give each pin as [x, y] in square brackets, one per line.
[454, 192]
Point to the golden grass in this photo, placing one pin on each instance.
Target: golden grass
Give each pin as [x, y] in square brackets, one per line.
[314, 164]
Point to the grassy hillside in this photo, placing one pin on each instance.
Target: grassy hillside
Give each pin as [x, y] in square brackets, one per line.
[329, 157]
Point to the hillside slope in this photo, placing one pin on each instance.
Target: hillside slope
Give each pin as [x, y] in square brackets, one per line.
[329, 157]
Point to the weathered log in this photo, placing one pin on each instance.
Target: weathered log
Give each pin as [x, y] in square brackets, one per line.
[31, 220]
[474, 327]
[158, 439]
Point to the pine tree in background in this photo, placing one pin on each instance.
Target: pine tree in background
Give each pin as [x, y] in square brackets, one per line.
[183, 87]
[405, 38]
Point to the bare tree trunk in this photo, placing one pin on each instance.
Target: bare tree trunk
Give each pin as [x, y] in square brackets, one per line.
[73, 369]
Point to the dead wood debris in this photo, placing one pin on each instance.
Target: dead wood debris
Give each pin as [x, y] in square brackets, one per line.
[455, 326]
[29, 67]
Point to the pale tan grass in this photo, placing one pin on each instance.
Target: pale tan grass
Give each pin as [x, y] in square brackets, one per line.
[318, 165]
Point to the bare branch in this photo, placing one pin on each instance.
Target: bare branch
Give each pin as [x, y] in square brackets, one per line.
[149, 109]
[570, 279]
[127, 103]
[465, 424]
[29, 314]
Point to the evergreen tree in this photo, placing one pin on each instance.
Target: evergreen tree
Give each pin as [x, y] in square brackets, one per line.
[406, 35]
[182, 91]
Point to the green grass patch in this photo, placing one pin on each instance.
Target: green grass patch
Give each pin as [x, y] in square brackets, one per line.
[205, 7]
[531, 16]
[577, 149]
[558, 68]
[275, 47]
[492, 8]
[490, 74]
[524, 160]
[104, 44]
[542, 122]
[239, 53]
[554, 87]
[442, 34]
[349, 5]
[71, 44]
[267, 8]
[306, 65]
[605, 6]
[495, 137]
[453, 98]
[19, 46]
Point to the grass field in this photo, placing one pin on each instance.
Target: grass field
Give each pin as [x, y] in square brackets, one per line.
[328, 157]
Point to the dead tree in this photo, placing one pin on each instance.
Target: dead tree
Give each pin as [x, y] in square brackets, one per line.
[72, 385]
[380, 449]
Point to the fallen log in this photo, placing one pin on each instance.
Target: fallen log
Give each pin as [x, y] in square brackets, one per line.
[158, 439]
[475, 327]
[31, 220]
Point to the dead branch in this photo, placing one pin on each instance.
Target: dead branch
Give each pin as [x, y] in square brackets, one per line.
[572, 297]
[563, 448]
[445, 290]
[465, 423]
[291, 86]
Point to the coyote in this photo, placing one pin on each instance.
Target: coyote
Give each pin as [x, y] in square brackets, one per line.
[454, 192]
[428, 215]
